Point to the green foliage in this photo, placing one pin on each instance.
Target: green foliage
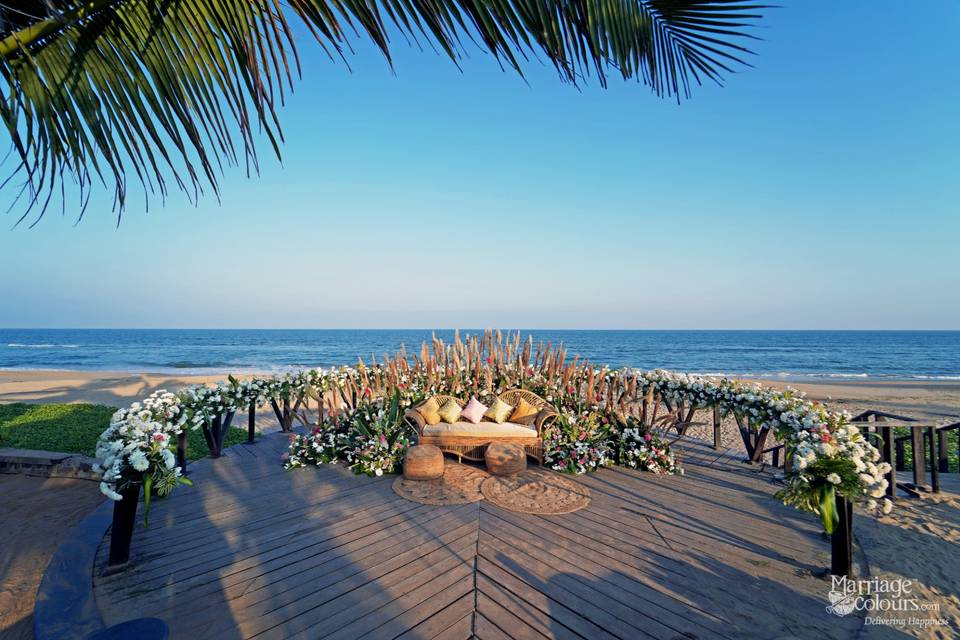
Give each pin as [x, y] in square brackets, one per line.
[953, 450]
[828, 508]
[70, 428]
[74, 428]
[161, 92]
[379, 437]
[373, 420]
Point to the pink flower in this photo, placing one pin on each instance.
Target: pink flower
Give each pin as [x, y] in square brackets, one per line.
[647, 437]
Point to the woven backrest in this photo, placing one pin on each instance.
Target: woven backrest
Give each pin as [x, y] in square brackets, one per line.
[442, 400]
[513, 396]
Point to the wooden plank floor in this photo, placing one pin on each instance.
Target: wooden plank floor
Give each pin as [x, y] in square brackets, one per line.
[253, 551]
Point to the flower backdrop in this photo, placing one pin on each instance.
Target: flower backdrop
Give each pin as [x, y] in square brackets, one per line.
[354, 415]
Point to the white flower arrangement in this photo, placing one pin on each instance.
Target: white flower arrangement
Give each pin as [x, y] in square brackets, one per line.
[136, 447]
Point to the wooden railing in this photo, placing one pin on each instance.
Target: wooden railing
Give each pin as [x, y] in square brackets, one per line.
[929, 444]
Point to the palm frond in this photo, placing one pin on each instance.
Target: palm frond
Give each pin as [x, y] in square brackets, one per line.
[143, 93]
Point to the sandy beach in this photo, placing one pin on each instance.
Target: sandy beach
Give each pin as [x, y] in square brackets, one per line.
[929, 399]
[112, 388]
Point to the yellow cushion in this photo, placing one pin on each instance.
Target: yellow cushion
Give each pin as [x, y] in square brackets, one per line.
[480, 430]
[498, 412]
[525, 413]
[430, 411]
[450, 412]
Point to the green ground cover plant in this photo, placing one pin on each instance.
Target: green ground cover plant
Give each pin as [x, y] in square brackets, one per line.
[74, 428]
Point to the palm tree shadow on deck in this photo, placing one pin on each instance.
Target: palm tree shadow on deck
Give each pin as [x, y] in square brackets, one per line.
[746, 607]
[645, 504]
[296, 569]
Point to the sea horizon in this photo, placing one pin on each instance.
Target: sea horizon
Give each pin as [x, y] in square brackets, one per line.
[775, 354]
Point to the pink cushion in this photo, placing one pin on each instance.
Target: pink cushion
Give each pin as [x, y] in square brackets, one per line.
[473, 411]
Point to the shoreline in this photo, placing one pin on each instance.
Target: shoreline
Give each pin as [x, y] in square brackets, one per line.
[772, 379]
[927, 398]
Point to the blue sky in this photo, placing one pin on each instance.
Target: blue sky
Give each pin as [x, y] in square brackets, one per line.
[816, 190]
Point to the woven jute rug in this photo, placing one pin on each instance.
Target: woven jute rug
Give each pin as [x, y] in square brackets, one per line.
[536, 491]
[460, 484]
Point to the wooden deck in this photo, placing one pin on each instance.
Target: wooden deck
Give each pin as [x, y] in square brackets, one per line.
[253, 551]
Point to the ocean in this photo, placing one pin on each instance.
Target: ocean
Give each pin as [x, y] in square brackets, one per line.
[787, 355]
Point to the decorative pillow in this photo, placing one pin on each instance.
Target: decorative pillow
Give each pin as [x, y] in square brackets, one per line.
[430, 411]
[450, 412]
[525, 413]
[499, 411]
[474, 410]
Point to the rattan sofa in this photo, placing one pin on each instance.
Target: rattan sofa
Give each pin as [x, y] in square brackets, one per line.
[468, 440]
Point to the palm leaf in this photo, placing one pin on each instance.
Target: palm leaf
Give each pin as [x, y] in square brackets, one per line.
[144, 93]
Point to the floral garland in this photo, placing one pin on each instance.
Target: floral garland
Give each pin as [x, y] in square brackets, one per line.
[830, 456]
[253, 391]
[202, 404]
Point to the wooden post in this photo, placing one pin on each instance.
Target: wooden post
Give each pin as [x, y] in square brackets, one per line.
[182, 451]
[210, 434]
[761, 438]
[901, 464]
[716, 427]
[841, 541]
[223, 427]
[743, 425]
[121, 529]
[887, 451]
[919, 471]
[251, 423]
[942, 450]
[934, 467]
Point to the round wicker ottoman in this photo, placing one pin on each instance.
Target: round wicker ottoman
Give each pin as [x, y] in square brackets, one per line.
[505, 459]
[423, 462]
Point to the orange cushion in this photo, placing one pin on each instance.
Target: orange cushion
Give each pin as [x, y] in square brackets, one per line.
[430, 410]
[524, 413]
